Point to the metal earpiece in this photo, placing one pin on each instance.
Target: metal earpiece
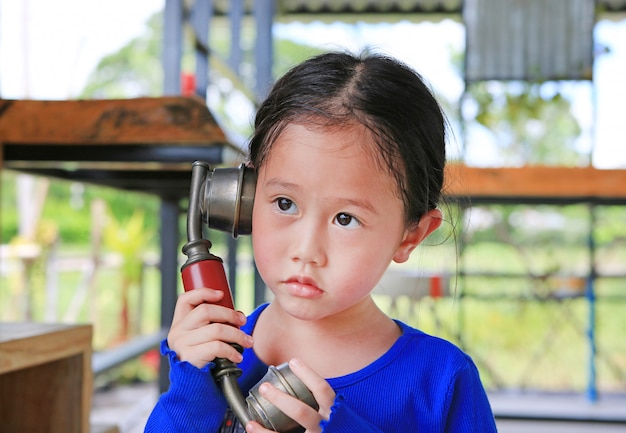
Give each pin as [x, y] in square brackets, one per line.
[228, 199]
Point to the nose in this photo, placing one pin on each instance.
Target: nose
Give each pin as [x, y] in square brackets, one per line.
[309, 243]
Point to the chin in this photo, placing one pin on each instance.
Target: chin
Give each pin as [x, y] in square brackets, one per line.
[303, 309]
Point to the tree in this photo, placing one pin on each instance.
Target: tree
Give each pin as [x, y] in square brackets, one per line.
[532, 123]
[133, 71]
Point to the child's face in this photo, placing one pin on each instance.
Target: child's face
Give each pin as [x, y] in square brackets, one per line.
[327, 221]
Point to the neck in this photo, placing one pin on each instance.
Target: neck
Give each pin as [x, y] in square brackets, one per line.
[358, 336]
[359, 318]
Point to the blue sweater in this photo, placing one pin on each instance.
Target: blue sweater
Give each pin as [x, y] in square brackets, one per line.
[422, 384]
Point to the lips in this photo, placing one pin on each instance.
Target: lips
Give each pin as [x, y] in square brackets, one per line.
[303, 287]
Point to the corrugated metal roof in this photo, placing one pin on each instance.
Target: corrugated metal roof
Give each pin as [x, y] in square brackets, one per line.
[319, 7]
[529, 40]
[368, 6]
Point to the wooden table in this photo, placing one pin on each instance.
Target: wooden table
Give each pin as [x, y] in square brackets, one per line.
[46, 379]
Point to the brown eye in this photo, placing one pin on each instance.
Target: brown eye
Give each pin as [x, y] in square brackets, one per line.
[343, 219]
[285, 205]
[347, 221]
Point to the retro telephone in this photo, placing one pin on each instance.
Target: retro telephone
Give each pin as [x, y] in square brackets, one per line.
[223, 199]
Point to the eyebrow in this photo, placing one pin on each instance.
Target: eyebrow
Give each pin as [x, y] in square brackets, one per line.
[363, 204]
[275, 181]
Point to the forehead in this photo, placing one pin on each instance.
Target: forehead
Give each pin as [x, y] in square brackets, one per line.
[346, 153]
[351, 140]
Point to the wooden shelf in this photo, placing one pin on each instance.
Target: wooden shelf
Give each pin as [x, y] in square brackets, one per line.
[536, 184]
[46, 380]
[141, 144]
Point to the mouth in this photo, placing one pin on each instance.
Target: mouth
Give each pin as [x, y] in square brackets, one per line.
[303, 287]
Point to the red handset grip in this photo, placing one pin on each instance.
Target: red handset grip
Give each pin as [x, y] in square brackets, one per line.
[210, 274]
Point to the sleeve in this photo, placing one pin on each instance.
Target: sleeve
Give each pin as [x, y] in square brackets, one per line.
[344, 420]
[193, 403]
[469, 409]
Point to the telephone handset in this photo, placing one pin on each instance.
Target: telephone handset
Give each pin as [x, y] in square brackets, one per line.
[223, 199]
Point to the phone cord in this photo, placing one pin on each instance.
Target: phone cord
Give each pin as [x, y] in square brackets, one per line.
[226, 373]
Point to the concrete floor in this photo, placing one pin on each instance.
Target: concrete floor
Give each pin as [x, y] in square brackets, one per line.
[508, 426]
[609, 413]
[128, 407]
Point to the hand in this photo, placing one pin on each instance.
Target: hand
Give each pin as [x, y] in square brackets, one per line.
[300, 412]
[201, 330]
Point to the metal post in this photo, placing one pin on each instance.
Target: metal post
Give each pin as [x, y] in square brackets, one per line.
[172, 53]
[235, 14]
[264, 53]
[200, 19]
[170, 276]
[592, 391]
[172, 46]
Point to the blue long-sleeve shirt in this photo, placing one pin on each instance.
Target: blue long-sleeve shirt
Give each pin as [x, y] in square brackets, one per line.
[421, 384]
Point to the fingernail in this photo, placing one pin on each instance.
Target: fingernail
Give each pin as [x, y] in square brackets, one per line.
[264, 388]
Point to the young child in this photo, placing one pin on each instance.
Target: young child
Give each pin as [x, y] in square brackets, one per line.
[349, 153]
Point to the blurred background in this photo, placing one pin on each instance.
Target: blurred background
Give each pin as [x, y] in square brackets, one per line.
[533, 287]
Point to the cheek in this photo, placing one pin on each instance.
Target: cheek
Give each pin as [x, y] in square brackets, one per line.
[264, 247]
[359, 268]
[261, 254]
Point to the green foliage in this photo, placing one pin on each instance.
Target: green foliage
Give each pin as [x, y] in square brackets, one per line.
[289, 54]
[528, 225]
[135, 70]
[129, 238]
[532, 122]
[609, 225]
[68, 205]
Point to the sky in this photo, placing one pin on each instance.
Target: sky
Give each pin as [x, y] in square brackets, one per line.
[49, 48]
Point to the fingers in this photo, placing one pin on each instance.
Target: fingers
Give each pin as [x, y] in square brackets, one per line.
[300, 412]
[201, 345]
[202, 354]
[303, 414]
[191, 299]
[319, 387]
[201, 331]
[204, 314]
[255, 427]
[212, 337]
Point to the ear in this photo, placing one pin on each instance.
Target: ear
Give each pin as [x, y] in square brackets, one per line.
[416, 234]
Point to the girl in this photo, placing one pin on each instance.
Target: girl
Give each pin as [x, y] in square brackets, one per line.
[349, 153]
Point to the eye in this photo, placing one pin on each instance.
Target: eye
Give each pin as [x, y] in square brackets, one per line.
[285, 205]
[347, 221]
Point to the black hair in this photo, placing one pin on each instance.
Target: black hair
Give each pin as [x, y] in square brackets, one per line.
[377, 91]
